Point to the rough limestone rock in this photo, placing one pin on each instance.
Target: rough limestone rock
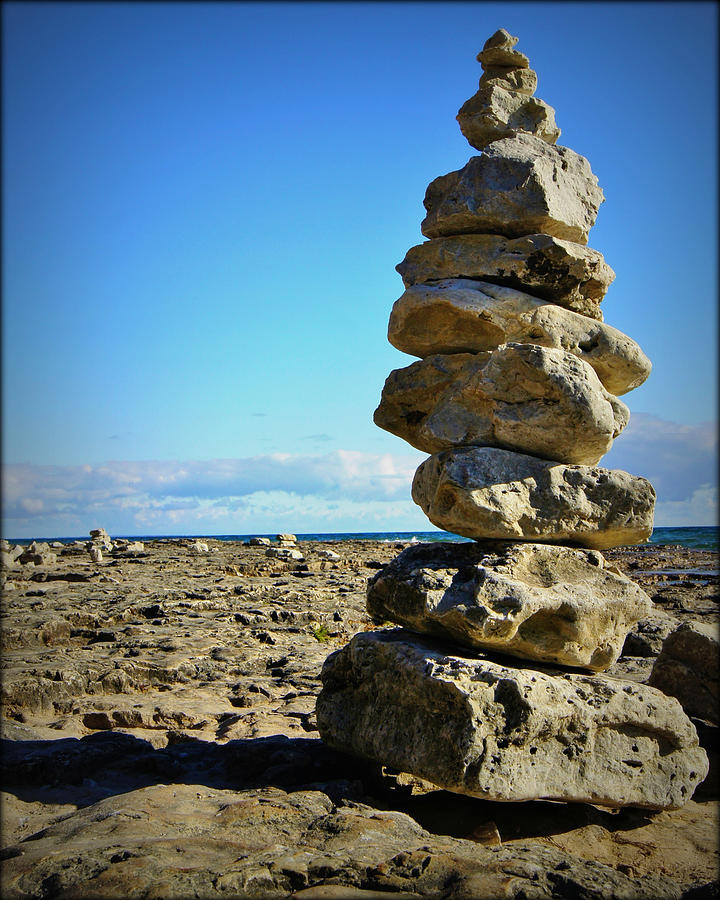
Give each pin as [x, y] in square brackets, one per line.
[185, 839]
[519, 185]
[687, 668]
[499, 50]
[536, 601]
[495, 112]
[285, 553]
[482, 492]
[566, 273]
[523, 81]
[521, 397]
[459, 315]
[475, 726]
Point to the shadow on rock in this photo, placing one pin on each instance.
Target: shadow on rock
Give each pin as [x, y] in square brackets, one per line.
[101, 765]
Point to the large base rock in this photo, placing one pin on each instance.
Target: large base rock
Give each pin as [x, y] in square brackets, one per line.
[522, 397]
[482, 492]
[534, 601]
[566, 273]
[477, 727]
[463, 316]
[520, 185]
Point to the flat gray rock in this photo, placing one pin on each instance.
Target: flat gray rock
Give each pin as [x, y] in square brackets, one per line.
[564, 272]
[519, 185]
[521, 397]
[460, 315]
[536, 601]
[482, 492]
[478, 727]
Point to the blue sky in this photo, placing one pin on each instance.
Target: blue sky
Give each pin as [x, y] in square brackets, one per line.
[203, 207]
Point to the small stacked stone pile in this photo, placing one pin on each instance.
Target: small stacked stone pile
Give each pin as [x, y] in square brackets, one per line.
[515, 396]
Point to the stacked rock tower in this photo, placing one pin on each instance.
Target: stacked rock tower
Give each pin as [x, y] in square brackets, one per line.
[485, 690]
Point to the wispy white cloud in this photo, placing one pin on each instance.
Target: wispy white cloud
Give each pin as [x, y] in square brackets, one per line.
[229, 494]
[678, 459]
[343, 490]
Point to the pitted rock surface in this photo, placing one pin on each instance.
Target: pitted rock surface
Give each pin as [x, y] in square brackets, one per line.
[471, 724]
[460, 315]
[173, 673]
[483, 492]
[519, 185]
[568, 274]
[534, 601]
[523, 397]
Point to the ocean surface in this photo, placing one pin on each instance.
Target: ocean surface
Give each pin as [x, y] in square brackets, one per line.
[696, 538]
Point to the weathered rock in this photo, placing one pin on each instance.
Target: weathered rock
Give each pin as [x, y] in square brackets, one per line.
[687, 668]
[329, 555]
[289, 538]
[185, 839]
[199, 547]
[100, 538]
[499, 50]
[519, 185]
[284, 553]
[646, 637]
[475, 726]
[481, 492]
[38, 554]
[96, 554]
[524, 81]
[535, 601]
[521, 397]
[564, 272]
[259, 542]
[463, 316]
[495, 112]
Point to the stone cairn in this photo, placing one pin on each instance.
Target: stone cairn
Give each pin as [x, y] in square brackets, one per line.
[491, 687]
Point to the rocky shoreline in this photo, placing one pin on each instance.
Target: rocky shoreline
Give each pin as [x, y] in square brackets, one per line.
[159, 740]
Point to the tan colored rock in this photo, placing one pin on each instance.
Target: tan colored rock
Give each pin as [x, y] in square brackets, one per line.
[524, 81]
[519, 185]
[478, 727]
[459, 316]
[688, 668]
[536, 601]
[499, 50]
[522, 397]
[185, 839]
[495, 112]
[566, 273]
[484, 493]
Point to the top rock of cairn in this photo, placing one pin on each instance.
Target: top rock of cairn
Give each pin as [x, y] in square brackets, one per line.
[504, 105]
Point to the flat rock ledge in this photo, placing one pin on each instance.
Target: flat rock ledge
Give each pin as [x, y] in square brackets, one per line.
[519, 185]
[475, 726]
[566, 273]
[541, 602]
[187, 839]
[460, 315]
[488, 493]
[523, 397]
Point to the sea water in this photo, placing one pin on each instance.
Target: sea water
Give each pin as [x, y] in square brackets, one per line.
[696, 538]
